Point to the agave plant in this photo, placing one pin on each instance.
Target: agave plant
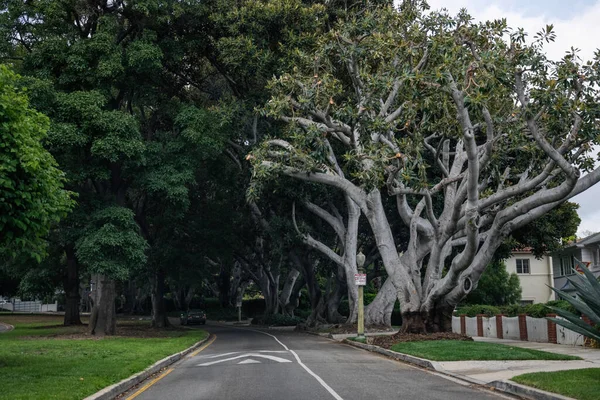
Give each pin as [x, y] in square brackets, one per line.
[588, 303]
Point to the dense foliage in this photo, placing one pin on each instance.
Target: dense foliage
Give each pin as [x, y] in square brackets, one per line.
[31, 185]
[185, 129]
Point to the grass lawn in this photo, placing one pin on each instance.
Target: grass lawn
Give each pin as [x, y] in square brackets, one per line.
[581, 384]
[453, 350]
[40, 359]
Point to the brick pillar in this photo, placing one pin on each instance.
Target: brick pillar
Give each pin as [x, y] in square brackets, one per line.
[587, 342]
[499, 330]
[552, 330]
[463, 324]
[523, 327]
[479, 324]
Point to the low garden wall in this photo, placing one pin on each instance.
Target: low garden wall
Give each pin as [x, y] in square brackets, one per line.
[521, 327]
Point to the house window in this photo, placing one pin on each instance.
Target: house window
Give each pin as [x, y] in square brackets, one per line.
[566, 266]
[526, 302]
[523, 266]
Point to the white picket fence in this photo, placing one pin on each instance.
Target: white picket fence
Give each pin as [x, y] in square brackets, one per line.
[29, 306]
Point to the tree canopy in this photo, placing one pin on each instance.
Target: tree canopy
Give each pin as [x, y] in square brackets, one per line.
[428, 141]
[31, 185]
[474, 135]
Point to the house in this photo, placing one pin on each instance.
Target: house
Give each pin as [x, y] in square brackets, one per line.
[586, 250]
[535, 275]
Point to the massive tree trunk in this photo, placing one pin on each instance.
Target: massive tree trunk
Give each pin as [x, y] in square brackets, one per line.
[294, 301]
[130, 297]
[407, 292]
[335, 297]
[379, 312]
[270, 290]
[285, 298]
[159, 310]
[103, 319]
[71, 287]
[224, 284]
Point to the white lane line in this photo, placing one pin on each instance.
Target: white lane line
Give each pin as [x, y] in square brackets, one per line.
[221, 355]
[317, 377]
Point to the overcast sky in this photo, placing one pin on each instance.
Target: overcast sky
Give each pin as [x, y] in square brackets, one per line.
[576, 23]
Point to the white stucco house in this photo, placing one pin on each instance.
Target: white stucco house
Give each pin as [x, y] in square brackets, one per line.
[586, 250]
[535, 275]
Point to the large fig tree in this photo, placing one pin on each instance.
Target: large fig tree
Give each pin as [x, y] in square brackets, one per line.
[469, 127]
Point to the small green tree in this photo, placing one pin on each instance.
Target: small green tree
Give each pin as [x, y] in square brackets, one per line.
[496, 287]
[31, 185]
[587, 303]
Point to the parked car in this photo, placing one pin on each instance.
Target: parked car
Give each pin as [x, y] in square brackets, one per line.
[193, 317]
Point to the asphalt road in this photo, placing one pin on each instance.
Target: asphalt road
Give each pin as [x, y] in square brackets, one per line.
[273, 365]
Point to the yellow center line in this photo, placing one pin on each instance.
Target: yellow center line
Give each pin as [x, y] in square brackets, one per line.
[168, 371]
[214, 337]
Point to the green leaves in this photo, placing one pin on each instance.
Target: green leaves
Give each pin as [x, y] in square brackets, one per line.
[112, 244]
[32, 197]
[587, 303]
[202, 128]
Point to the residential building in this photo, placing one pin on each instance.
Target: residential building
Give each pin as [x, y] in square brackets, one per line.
[586, 250]
[535, 275]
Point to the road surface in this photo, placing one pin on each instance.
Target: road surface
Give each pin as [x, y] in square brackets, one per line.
[250, 364]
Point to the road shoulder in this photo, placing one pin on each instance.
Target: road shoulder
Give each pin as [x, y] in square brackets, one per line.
[118, 388]
[501, 385]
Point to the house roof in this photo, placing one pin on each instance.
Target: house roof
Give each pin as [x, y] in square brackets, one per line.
[592, 239]
[568, 287]
[586, 241]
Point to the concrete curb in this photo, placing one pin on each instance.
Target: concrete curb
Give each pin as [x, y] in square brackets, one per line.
[421, 362]
[282, 328]
[504, 386]
[526, 391]
[342, 336]
[321, 334]
[9, 327]
[110, 392]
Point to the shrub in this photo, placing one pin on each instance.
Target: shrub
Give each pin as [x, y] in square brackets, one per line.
[473, 310]
[513, 310]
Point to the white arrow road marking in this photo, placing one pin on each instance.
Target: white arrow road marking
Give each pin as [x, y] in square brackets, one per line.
[220, 355]
[249, 361]
[238, 352]
[278, 359]
[317, 377]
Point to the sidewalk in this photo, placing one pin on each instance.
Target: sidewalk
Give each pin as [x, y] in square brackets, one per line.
[490, 371]
[497, 374]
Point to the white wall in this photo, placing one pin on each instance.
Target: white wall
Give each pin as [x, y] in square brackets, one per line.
[534, 285]
[537, 330]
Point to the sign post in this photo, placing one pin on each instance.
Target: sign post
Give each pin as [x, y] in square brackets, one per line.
[360, 280]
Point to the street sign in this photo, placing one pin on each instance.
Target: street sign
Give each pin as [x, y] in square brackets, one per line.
[360, 279]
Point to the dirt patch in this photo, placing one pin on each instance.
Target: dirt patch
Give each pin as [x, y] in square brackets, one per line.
[15, 319]
[125, 329]
[388, 341]
[343, 328]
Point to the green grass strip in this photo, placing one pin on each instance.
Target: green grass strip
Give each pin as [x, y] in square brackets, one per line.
[453, 350]
[581, 384]
[35, 366]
